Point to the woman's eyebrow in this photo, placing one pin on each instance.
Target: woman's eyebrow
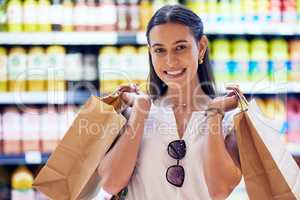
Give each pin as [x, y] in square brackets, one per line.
[178, 41]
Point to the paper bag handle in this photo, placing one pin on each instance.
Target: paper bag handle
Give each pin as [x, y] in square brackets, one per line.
[242, 100]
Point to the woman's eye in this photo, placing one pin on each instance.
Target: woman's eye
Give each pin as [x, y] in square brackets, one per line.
[181, 47]
[159, 50]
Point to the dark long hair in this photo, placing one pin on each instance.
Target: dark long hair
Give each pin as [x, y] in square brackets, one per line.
[179, 14]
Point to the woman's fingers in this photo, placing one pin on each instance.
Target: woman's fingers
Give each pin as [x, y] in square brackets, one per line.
[128, 88]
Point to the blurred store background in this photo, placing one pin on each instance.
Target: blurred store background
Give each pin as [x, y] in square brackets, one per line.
[55, 54]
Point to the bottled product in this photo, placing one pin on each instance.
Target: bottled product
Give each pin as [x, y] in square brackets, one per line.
[258, 66]
[221, 58]
[22, 180]
[68, 9]
[3, 69]
[11, 124]
[31, 129]
[30, 8]
[146, 11]
[108, 67]
[142, 68]
[199, 7]
[36, 69]
[14, 16]
[50, 129]
[44, 14]
[56, 15]
[294, 68]
[55, 60]
[123, 15]
[133, 15]
[238, 70]
[80, 15]
[279, 60]
[73, 65]
[92, 14]
[17, 62]
[108, 15]
[127, 65]
[89, 66]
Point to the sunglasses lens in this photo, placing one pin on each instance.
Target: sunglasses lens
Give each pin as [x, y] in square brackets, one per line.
[175, 175]
[177, 149]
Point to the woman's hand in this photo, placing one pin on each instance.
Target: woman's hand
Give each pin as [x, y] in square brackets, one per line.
[134, 98]
[228, 102]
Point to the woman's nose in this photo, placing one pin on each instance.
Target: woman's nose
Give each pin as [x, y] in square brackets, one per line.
[171, 60]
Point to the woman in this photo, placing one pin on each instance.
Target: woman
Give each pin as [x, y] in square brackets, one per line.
[177, 144]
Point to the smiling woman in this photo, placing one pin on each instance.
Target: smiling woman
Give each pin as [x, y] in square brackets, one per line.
[178, 142]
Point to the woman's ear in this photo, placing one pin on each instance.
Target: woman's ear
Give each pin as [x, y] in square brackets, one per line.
[203, 43]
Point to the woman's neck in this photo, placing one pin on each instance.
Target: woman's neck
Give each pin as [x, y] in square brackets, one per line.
[190, 95]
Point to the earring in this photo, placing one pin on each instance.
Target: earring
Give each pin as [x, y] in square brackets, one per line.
[200, 61]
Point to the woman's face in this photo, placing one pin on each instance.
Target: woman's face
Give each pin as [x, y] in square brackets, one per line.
[174, 53]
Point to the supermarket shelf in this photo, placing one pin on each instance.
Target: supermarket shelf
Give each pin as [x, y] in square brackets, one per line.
[79, 97]
[112, 38]
[59, 38]
[283, 29]
[262, 87]
[22, 159]
[44, 97]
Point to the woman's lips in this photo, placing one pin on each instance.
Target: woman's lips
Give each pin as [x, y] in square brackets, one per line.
[175, 73]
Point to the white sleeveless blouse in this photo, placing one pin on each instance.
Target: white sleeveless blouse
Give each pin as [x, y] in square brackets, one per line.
[148, 181]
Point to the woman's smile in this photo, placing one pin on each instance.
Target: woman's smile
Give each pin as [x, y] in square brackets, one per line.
[175, 74]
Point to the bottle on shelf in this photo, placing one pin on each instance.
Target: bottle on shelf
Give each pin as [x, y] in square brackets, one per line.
[294, 69]
[108, 66]
[44, 13]
[142, 67]
[146, 11]
[68, 9]
[259, 57]
[21, 182]
[15, 16]
[55, 59]
[238, 70]
[56, 15]
[73, 68]
[3, 16]
[3, 69]
[133, 15]
[31, 129]
[278, 60]
[30, 8]
[50, 129]
[89, 66]
[81, 12]
[127, 65]
[122, 11]
[289, 11]
[11, 126]
[199, 7]
[108, 15]
[17, 68]
[92, 15]
[36, 69]
[221, 57]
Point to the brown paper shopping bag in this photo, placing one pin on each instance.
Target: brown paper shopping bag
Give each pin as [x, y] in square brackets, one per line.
[269, 170]
[70, 172]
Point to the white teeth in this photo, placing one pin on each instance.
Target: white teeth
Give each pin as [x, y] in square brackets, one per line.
[175, 72]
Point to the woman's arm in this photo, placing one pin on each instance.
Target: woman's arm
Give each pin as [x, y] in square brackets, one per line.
[221, 165]
[117, 166]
